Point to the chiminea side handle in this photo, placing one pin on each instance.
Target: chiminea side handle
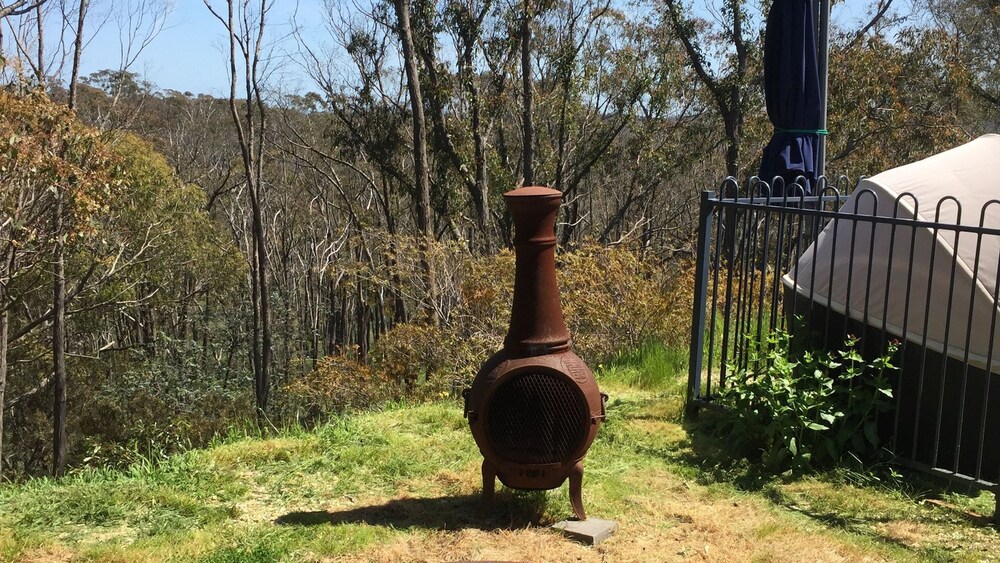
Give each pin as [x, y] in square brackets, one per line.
[604, 412]
[466, 413]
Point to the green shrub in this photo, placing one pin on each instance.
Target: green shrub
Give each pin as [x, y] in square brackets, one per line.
[132, 407]
[338, 383]
[425, 360]
[481, 319]
[614, 302]
[807, 409]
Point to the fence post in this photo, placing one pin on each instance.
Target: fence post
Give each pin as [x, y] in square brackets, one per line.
[700, 294]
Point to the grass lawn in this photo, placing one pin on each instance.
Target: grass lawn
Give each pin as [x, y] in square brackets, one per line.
[403, 484]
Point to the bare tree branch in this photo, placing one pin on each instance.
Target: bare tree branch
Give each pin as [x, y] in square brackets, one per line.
[880, 12]
[20, 7]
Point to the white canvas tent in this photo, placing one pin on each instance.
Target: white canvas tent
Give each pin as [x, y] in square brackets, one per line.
[937, 312]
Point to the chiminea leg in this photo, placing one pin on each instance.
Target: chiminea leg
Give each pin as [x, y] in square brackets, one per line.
[576, 490]
[489, 482]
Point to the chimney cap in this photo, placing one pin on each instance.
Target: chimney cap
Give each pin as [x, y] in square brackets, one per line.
[534, 191]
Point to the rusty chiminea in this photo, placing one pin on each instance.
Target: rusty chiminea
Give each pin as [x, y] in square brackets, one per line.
[534, 407]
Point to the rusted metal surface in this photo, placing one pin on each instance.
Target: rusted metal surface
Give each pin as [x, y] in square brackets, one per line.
[534, 407]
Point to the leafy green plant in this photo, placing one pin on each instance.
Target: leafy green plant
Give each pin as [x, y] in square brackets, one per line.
[809, 408]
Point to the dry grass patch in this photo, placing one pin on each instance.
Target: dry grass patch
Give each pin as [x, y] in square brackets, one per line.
[839, 500]
[662, 518]
[659, 432]
[535, 545]
[48, 554]
[906, 532]
[685, 521]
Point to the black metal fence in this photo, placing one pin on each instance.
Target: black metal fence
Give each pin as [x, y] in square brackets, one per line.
[946, 416]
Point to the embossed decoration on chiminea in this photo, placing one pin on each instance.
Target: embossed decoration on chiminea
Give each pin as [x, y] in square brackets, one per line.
[534, 407]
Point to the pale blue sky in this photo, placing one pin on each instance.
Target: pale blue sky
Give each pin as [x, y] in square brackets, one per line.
[188, 55]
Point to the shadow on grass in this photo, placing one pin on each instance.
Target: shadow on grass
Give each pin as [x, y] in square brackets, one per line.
[723, 461]
[510, 511]
[717, 460]
[711, 458]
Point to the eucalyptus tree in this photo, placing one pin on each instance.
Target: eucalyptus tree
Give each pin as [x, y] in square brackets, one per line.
[24, 209]
[371, 104]
[420, 164]
[464, 20]
[594, 77]
[973, 27]
[729, 86]
[245, 22]
[352, 140]
[57, 176]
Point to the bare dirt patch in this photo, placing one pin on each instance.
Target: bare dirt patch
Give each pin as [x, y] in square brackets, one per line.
[48, 554]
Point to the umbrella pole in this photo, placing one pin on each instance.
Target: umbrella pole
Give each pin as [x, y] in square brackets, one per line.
[824, 76]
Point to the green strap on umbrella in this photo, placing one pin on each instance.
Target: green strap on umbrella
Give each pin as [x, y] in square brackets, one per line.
[803, 131]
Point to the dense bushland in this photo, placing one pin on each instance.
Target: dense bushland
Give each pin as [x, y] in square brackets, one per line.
[273, 258]
[156, 325]
[140, 250]
[639, 304]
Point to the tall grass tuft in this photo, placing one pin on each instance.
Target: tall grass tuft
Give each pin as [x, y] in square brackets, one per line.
[652, 367]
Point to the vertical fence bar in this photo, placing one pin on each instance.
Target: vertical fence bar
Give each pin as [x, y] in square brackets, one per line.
[763, 243]
[943, 388]
[968, 348]
[727, 324]
[713, 318]
[906, 326]
[700, 292]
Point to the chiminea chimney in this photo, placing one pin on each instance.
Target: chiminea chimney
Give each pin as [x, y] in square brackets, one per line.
[534, 407]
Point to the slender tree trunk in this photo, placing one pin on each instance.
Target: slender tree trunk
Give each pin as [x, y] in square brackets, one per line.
[77, 51]
[361, 311]
[343, 324]
[6, 267]
[205, 329]
[40, 69]
[528, 131]
[398, 303]
[3, 372]
[146, 324]
[255, 355]
[572, 214]
[255, 106]
[419, 121]
[572, 209]
[481, 195]
[312, 297]
[331, 317]
[286, 330]
[263, 390]
[249, 38]
[59, 342]
[420, 167]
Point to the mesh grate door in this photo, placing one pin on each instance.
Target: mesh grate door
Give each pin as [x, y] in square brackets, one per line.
[537, 418]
